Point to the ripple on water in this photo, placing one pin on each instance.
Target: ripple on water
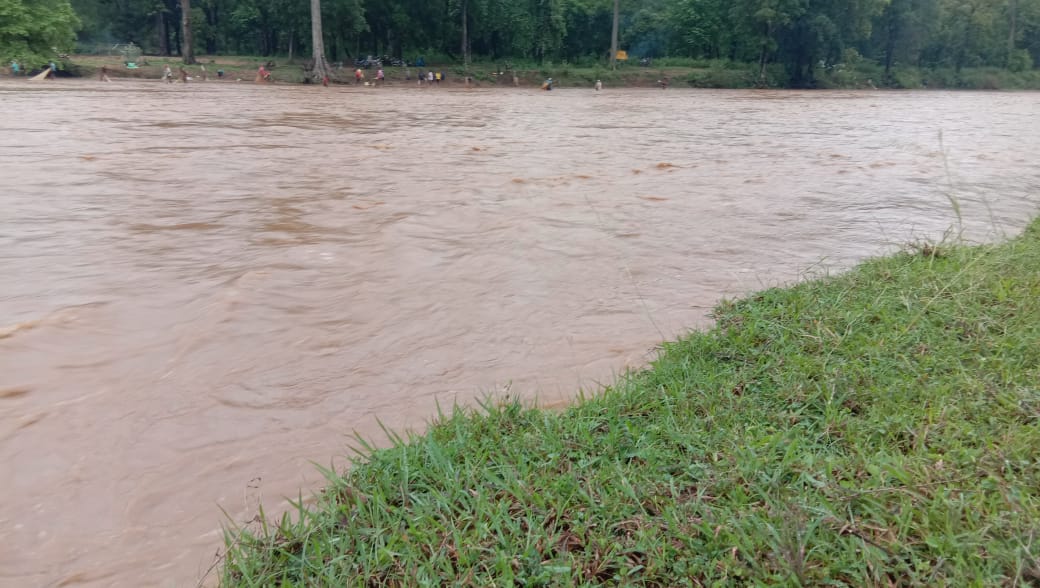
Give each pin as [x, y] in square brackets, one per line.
[281, 266]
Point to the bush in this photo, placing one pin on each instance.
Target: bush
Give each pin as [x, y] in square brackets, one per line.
[1020, 61]
[855, 74]
[905, 78]
[721, 78]
[688, 62]
[940, 78]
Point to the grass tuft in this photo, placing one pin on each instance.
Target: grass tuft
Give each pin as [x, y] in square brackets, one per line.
[877, 428]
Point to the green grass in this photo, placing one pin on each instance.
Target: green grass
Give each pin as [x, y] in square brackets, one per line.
[879, 428]
[691, 73]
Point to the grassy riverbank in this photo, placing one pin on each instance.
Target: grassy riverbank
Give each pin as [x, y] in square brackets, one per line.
[679, 72]
[876, 428]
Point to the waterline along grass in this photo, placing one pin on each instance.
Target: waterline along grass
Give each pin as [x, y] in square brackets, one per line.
[879, 428]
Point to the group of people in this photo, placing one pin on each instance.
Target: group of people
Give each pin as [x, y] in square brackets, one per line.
[359, 76]
[182, 74]
[431, 78]
[168, 75]
[50, 70]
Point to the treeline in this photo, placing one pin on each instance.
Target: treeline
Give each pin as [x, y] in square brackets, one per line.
[802, 36]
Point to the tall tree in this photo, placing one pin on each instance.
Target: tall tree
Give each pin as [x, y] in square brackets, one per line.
[1012, 25]
[187, 44]
[803, 36]
[31, 30]
[614, 34]
[465, 34]
[321, 67]
[162, 31]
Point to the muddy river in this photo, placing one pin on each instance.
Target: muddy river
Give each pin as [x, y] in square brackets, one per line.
[204, 288]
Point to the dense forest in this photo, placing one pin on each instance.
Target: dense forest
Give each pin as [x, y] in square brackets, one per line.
[802, 36]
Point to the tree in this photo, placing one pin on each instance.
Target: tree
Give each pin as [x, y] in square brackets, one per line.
[465, 34]
[187, 43]
[1012, 25]
[803, 36]
[614, 35]
[700, 28]
[31, 30]
[321, 67]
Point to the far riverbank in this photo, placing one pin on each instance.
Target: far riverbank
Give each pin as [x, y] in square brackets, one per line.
[675, 73]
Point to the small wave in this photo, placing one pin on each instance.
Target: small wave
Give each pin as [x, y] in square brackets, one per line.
[60, 316]
[14, 392]
[194, 226]
[11, 331]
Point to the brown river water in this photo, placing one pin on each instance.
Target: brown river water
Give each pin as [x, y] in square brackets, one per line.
[206, 287]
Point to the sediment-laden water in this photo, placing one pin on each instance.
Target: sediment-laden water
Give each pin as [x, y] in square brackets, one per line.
[205, 287]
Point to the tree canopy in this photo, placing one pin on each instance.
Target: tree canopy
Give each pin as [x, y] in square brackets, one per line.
[801, 35]
[34, 31]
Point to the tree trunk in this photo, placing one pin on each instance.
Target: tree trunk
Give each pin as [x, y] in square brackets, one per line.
[321, 67]
[764, 55]
[187, 48]
[291, 39]
[164, 33]
[176, 49]
[762, 64]
[465, 34]
[1013, 10]
[211, 39]
[893, 33]
[614, 35]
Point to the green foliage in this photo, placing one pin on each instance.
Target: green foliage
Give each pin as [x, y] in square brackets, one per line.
[905, 79]
[722, 75]
[808, 38]
[35, 31]
[1020, 61]
[876, 428]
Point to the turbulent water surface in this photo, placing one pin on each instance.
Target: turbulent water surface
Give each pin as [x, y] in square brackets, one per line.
[204, 287]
